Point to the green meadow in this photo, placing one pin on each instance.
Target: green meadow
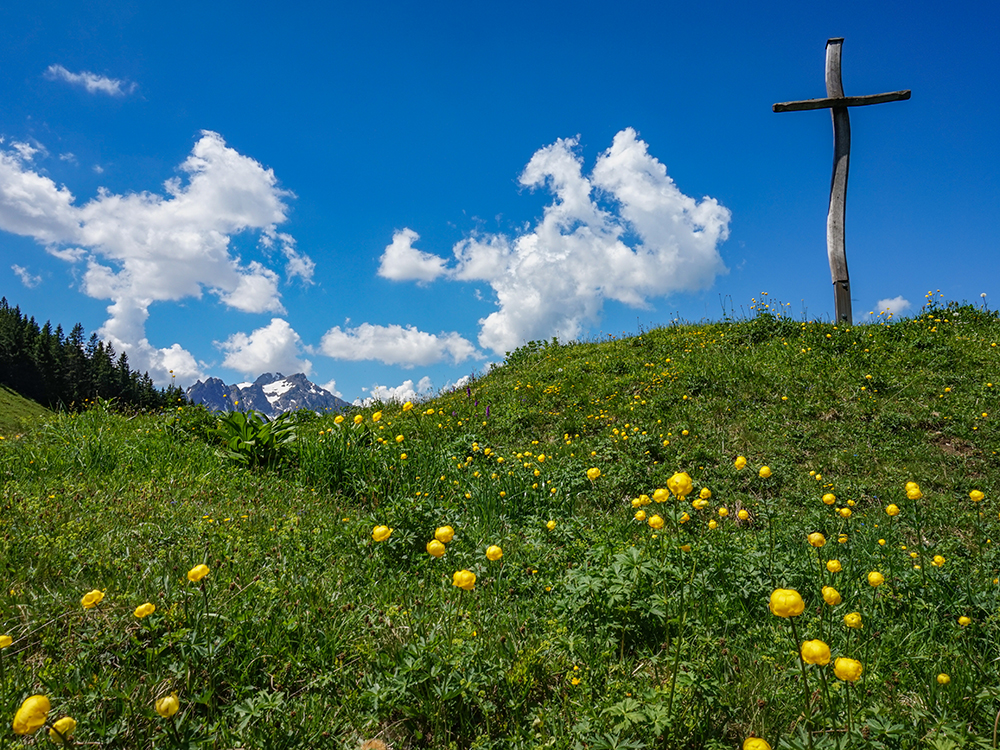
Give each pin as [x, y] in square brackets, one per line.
[676, 513]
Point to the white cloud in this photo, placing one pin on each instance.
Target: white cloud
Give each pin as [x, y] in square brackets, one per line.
[69, 156]
[274, 348]
[895, 305]
[93, 83]
[332, 388]
[27, 278]
[146, 247]
[405, 391]
[395, 345]
[402, 262]
[650, 240]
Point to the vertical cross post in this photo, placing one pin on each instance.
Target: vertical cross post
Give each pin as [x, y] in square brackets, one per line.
[837, 103]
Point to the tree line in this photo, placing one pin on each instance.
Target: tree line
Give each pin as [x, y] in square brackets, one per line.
[65, 372]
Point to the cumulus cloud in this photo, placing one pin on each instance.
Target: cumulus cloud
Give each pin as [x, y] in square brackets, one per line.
[405, 391]
[91, 82]
[395, 345]
[27, 278]
[274, 348]
[895, 305]
[332, 388]
[402, 262]
[624, 232]
[142, 248]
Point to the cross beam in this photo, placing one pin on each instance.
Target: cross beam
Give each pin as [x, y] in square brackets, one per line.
[837, 103]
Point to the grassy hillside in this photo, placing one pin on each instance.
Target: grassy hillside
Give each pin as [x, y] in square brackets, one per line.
[17, 413]
[585, 596]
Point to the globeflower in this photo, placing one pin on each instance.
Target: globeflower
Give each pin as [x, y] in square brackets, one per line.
[755, 743]
[464, 579]
[765, 472]
[815, 652]
[493, 552]
[381, 533]
[713, 524]
[892, 509]
[444, 534]
[853, 620]
[739, 463]
[593, 474]
[61, 729]
[943, 679]
[31, 716]
[849, 670]
[168, 705]
[358, 419]
[91, 599]
[197, 573]
[376, 416]
[844, 512]
[5, 641]
[705, 494]
[655, 522]
[816, 539]
[408, 406]
[660, 495]
[640, 515]
[875, 579]
[786, 603]
[829, 498]
[435, 548]
[963, 621]
[550, 525]
[144, 610]
[699, 503]
[831, 596]
[938, 561]
[833, 566]
[914, 493]
[338, 419]
[723, 512]
[976, 496]
[680, 485]
[743, 515]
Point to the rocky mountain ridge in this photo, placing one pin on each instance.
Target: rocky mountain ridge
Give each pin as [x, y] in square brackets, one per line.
[271, 394]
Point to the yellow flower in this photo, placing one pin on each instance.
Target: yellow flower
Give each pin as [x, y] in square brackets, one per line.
[400, 438]
[429, 412]
[892, 510]
[381, 533]
[62, 729]
[408, 406]
[875, 579]
[5, 641]
[723, 512]
[963, 621]
[816, 539]
[376, 416]
[91, 599]
[842, 538]
[705, 494]
[640, 515]
[435, 548]
[853, 620]
[685, 518]
[743, 515]
[833, 566]
[168, 705]
[31, 716]
[699, 504]
[938, 561]
[849, 670]
[739, 463]
[358, 419]
[550, 525]
[660, 495]
[829, 498]
[755, 743]
[713, 524]
[680, 485]
[914, 493]
[975, 496]
[815, 652]
[338, 419]
[593, 474]
[655, 522]
[493, 552]
[943, 679]
[444, 534]
[765, 472]
[464, 579]
[197, 573]
[786, 603]
[844, 512]
[144, 610]
[685, 548]
[831, 596]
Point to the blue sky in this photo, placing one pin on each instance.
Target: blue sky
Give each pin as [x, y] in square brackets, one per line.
[395, 194]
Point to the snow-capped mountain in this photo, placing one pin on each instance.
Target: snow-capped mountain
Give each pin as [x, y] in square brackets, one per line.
[271, 394]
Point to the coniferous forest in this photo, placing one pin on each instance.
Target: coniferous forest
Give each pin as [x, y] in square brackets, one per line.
[64, 372]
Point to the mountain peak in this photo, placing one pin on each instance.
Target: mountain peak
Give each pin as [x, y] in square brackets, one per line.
[271, 394]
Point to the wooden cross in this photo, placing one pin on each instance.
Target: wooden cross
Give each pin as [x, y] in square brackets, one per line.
[837, 103]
